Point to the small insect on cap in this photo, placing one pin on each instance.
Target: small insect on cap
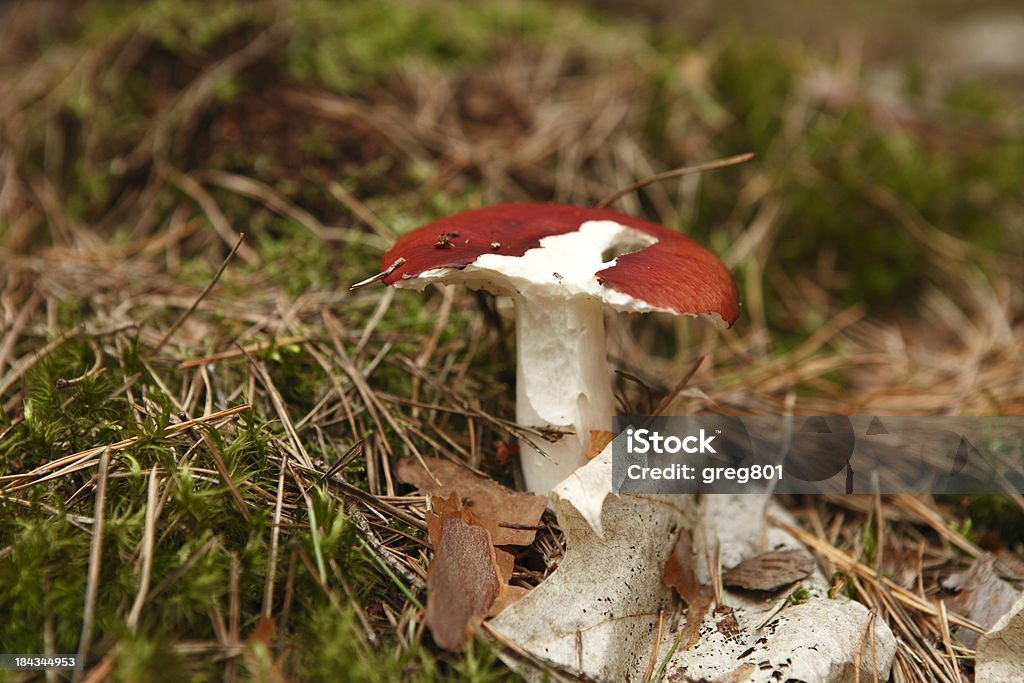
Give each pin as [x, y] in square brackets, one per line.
[559, 249]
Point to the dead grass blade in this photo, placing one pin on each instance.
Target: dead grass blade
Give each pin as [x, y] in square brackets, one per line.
[77, 458]
[676, 173]
[206, 290]
[146, 551]
[95, 559]
[862, 571]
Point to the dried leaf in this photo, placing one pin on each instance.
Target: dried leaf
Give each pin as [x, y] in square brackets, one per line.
[505, 451]
[1000, 655]
[815, 641]
[509, 596]
[441, 507]
[770, 571]
[464, 578]
[679, 572]
[598, 440]
[258, 655]
[596, 616]
[586, 489]
[600, 607]
[493, 504]
[726, 623]
[506, 562]
[695, 614]
[984, 596]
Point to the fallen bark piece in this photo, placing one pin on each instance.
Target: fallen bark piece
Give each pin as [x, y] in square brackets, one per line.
[770, 571]
[464, 578]
[1000, 655]
[983, 597]
[495, 506]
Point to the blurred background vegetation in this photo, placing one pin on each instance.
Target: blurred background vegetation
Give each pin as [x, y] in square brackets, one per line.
[138, 138]
[864, 119]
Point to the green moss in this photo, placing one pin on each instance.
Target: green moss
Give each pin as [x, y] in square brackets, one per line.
[346, 45]
[754, 81]
[798, 597]
[61, 420]
[178, 25]
[35, 590]
[833, 174]
[153, 660]
[979, 100]
[294, 258]
[998, 514]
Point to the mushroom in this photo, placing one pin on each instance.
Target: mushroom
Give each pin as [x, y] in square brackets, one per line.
[562, 265]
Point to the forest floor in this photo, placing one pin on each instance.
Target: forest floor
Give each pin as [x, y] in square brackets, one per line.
[198, 431]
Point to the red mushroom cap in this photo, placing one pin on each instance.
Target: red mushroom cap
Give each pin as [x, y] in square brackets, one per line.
[675, 273]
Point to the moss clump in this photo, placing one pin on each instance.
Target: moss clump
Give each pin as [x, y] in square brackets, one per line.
[998, 515]
[857, 191]
[345, 45]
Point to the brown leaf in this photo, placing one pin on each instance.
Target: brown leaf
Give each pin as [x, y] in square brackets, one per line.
[508, 596]
[725, 621]
[770, 571]
[695, 613]
[258, 655]
[984, 596]
[440, 508]
[598, 440]
[678, 570]
[678, 573]
[262, 632]
[493, 504]
[505, 451]
[464, 578]
[505, 562]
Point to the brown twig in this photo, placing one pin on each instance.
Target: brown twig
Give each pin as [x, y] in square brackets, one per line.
[665, 402]
[206, 290]
[239, 352]
[675, 173]
[81, 456]
[27, 363]
[379, 276]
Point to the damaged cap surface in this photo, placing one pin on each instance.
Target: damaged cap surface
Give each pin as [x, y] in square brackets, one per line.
[544, 248]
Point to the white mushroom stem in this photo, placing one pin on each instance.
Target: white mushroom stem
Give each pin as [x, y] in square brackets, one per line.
[562, 381]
